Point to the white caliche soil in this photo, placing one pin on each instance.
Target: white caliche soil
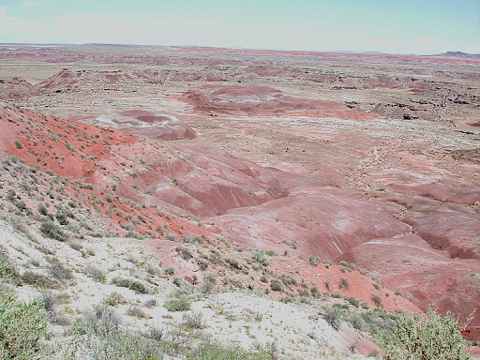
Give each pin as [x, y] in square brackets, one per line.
[297, 330]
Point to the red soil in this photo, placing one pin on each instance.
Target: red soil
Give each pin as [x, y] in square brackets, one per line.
[406, 261]
[266, 101]
[84, 154]
[69, 80]
[157, 186]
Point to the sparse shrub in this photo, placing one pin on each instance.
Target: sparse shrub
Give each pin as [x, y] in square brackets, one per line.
[178, 282]
[59, 271]
[234, 263]
[184, 253]
[42, 210]
[343, 284]
[210, 351]
[170, 271]
[179, 303]
[114, 299]
[377, 300]
[99, 336]
[288, 280]
[39, 281]
[333, 317]
[193, 321]
[23, 326]
[7, 270]
[61, 218]
[53, 231]
[137, 312]
[134, 285]
[347, 265]
[18, 144]
[428, 338]
[11, 195]
[155, 334]
[314, 260]
[209, 281]
[353, 302]
[327, 285]
[96, 274]
[276, 285]
[357, 322]
[261, 258]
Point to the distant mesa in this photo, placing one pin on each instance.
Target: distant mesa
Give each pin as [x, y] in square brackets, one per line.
[460, 54]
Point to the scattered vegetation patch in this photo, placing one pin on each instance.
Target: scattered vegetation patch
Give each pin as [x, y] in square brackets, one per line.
[53, 231]
[314, 260]
[99, 336]
[137, 312]
[333, 317]
[96, 274]
[217, 352]
[208, 284]
[343, 284]
[261, 257]
[7, 270]
[134, 285]
[193, 321]
[114, 299]
[428, 338]
[59, 271]
[23, 327]
[178, 303]
[39, 281]
[276, 285]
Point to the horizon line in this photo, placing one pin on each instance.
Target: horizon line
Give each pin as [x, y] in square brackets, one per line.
[364, 52]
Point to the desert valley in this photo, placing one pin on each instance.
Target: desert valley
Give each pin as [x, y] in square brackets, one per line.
[287, 203]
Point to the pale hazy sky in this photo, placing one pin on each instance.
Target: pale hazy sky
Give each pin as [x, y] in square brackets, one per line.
[406, 26]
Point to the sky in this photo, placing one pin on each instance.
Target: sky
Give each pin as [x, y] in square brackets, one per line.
[393, 26]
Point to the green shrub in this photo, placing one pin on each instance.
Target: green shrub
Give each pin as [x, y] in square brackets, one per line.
[23, 326]
[42, 210]
[96, 274]
[427, 338]
[217, 352]
[7, 270]
[276, 285]
[261, 258]
[193, 321]
[39, 281]
[333, 317]
[314, 260]
[99, 336]
[169, 271]
[134, 285]
[58, 271]
[137, 312]
[208, 284]
[114, 299]
[50, 230]
[180, 303]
